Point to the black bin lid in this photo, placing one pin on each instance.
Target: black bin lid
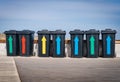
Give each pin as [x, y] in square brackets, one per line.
[26, 32]
[108, 31]
[92, 31]
[45, 31]
[58, 32]
[11, 32]
[76, 31]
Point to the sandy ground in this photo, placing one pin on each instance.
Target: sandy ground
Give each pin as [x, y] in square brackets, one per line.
[35, 69]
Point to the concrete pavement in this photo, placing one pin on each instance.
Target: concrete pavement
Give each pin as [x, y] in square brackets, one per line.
[8, 71]
[35, 69]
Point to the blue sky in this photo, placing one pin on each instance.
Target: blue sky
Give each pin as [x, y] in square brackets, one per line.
[60, 14]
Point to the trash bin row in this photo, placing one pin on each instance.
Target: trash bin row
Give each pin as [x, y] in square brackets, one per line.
[92, 43]
[21, 43]
[58, 43]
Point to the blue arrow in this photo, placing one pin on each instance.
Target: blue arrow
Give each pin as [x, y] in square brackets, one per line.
[108, 41]
[58, 40]
[76, 40]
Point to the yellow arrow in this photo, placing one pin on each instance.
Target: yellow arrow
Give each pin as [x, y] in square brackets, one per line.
[43, 45]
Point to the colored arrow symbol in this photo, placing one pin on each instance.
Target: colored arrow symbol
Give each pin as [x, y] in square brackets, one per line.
[23, 39]
[76, 40]
[58, 40]
[92, 45]
[10, 39]
[43, 45]
[108, 41]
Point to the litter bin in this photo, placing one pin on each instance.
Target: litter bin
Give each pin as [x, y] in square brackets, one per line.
[77, 43]
[26, 39]
[44, 43]
[92, 45]
[108, 42]
[58, 37]
[12, 43]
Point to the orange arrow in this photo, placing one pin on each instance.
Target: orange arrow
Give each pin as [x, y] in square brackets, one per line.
[23, 44]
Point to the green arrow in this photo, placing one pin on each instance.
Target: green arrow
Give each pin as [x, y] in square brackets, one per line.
[10, 39]
[92, 45]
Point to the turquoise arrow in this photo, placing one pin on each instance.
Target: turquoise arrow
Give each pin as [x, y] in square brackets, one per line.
[10, 39]
[108, 41]
[58, 40]
[92, 45]
[76, 40]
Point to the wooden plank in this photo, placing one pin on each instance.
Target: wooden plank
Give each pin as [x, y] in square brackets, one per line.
[117, 41]
[2, 41]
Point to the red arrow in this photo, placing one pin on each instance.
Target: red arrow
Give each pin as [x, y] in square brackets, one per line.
[23, 39]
